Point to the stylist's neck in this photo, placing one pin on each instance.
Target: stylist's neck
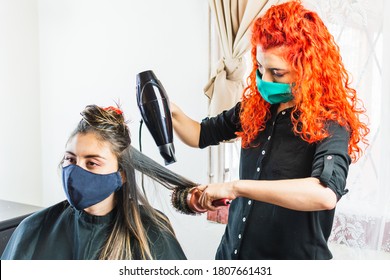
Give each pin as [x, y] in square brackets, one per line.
[102, 208]
[286, 105]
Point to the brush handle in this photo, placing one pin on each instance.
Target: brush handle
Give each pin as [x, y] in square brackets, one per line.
[193, 204]
[221, 202]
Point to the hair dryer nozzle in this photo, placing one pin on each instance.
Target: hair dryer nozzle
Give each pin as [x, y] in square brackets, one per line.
[155, 111]
[167, 151]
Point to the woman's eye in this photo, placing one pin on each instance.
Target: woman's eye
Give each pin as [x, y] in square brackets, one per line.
[92, 164]
[278, 74]
[68, 160]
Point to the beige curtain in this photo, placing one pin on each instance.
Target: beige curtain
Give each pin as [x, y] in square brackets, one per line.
[233, 19]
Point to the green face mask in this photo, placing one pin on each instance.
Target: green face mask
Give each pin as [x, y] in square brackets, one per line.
[273, 92]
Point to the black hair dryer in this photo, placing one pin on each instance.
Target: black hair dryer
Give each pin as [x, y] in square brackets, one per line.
[155, 111]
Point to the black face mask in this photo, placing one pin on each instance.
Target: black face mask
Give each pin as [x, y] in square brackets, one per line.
[84, 189]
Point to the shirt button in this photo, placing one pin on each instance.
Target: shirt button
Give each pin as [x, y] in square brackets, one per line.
[249, 202]
[244, 219]
[263, 152]
[258, 169]
[239, 236]
[269, 137]
[235, 252]
[329, 157]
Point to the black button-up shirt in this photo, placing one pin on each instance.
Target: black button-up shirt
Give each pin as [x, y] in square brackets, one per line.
[259, 230]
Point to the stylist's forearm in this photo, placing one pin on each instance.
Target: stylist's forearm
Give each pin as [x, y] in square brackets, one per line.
[304, 194]
[185, 128]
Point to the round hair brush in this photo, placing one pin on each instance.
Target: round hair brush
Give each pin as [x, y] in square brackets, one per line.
[186, 201]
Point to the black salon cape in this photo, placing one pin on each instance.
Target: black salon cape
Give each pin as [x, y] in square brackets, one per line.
[62, 233]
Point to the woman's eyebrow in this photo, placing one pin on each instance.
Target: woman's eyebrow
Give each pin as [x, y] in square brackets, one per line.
[87, 156]
[278, 69]
[94, 156]
[272, 68]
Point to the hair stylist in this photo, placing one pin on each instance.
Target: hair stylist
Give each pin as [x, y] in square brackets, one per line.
[299, 125]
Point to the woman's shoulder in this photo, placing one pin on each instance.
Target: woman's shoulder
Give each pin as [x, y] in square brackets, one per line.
[33, 223]
[41, 215]
[25, 236]
[333, 127]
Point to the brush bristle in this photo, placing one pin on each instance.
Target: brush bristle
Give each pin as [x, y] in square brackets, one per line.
[179, 201]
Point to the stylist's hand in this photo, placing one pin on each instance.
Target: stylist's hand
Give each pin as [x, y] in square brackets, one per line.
[216, 191]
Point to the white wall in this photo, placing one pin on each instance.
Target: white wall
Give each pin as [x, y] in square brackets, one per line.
[89, 52]
[20, 149]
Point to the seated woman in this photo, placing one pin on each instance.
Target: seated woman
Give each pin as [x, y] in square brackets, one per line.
[105, 215]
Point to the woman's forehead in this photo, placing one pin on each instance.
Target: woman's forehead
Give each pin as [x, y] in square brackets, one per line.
[271, 58]
[84, 143]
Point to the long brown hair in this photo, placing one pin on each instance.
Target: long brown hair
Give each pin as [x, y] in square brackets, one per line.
[128, 238]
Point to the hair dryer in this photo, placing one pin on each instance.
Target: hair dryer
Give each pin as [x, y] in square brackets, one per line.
[153, 103]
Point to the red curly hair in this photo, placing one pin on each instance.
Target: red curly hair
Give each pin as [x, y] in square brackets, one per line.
[322, 88]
